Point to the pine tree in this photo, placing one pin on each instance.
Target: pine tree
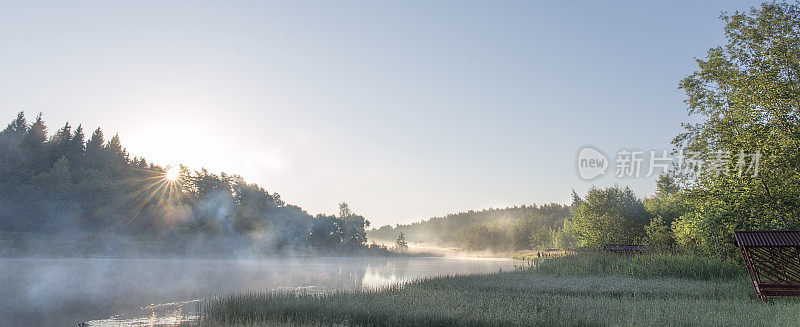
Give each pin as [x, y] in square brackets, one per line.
[17, 128]
[576, 199]
[58, 145]
[94, 149]
[37, 134]
[115, 155]
[12, 155]
[34, 144]
[344, 211]
[401, 243]
[75, 148]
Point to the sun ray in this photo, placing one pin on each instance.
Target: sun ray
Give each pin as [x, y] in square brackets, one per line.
[172, 174]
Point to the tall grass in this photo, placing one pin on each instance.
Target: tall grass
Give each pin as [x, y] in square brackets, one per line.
[642, 265]
[571, 291]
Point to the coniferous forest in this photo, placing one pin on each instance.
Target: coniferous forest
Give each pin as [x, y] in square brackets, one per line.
[75, 192]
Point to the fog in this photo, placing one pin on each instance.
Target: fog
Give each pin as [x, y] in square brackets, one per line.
[126, 292]
[141, 244]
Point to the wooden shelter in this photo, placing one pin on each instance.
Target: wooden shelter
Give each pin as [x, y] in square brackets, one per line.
[773, 261]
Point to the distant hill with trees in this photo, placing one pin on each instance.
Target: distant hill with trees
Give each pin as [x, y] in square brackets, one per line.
[497, 230]
[604, 215]
[73, 194]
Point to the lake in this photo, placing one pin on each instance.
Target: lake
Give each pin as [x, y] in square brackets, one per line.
[165, 292]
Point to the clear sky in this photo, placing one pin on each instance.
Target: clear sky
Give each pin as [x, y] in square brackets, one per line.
[404, 109]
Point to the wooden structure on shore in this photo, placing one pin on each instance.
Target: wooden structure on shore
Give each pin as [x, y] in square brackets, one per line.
[624, 248]
[773, 261]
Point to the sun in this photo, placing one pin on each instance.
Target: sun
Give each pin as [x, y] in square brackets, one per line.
[172, 174]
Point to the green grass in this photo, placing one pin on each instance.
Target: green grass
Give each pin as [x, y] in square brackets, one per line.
[530, 255]
[588, 290]
[643, 265]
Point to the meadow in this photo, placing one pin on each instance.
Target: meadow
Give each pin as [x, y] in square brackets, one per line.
[578, 290]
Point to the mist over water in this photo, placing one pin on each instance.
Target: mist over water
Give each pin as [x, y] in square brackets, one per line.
[65, 292]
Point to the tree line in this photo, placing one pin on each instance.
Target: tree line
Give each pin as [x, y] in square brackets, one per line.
[493, 229]
[67, 188]
[602, 216]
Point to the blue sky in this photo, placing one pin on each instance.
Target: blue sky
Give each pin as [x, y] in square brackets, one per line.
[404, 109]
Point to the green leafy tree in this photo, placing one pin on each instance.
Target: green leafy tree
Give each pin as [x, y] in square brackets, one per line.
[610, 215]
[353, 227]
[325, 233]
[666, 206]
[667, 185]
[541, 237]
[659, 234]
[565, 237]
[486, 238]
[745, 98]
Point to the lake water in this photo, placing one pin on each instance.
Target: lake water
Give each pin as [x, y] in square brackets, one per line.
[164, 292]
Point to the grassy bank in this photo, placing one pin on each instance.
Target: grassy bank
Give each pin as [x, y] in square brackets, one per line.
[530, 255]
[645, 265]
[585, 290]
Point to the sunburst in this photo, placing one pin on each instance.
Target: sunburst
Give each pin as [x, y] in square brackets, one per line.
[172, 174]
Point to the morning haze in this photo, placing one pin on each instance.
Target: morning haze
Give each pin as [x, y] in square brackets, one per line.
[406, 111]
[393, 163]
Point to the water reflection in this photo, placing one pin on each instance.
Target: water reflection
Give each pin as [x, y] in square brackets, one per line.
[161, 292]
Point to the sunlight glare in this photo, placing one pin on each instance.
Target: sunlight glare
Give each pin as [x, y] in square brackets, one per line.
[172, 174]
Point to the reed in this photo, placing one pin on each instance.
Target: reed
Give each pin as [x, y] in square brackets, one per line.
[586, 290]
